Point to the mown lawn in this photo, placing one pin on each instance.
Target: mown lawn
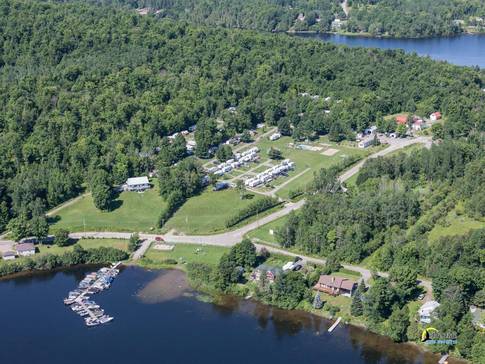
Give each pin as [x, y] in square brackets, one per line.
[131, 211]
[208, 212]
[183, 254]
[304, 159]
[86, 244]
[456, 224]
[263, 233]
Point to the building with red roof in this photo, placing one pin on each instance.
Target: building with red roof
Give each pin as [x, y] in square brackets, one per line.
[401, 119]
[335, 285]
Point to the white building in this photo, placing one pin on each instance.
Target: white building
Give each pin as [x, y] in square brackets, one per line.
[25, 249]
[9, 255]
[137, 184]
[366, 143]
[426, 312]
[275, 136]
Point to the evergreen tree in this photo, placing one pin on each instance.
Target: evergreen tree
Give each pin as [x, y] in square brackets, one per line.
[101, 190]
[317, 302]
[466, 336]
[357, 306]
[398, 324]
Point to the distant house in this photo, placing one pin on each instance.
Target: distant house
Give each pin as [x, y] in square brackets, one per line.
[271, 272]
[335, 285]
[366, 142]
[372, 129]
[401, 119]
[25, 249]
[220, 186]
[137, 184]
[275, 136]
[478, 317]
[435, 116]
[9, 255]
[426, 312]
[418, 125]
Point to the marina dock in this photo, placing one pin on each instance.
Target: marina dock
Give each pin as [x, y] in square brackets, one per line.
[93, 283]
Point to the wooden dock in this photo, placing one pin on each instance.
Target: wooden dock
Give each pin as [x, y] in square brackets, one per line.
[335, 324]
[444, 359]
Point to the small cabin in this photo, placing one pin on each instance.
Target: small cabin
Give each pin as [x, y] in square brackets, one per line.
[271, 272]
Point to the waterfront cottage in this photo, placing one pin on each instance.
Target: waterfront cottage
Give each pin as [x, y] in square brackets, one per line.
[25, 249]
[137, 184]
[335, 285]
[426, 312]
[271, 272]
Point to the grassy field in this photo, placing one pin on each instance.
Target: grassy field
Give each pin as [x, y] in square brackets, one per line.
[208, 212]
[86, 244]
[132, 212]
[314, 160]
[262, 233]
[183, 254]
[456, 224]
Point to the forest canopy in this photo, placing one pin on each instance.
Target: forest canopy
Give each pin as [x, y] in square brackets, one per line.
[396, 18]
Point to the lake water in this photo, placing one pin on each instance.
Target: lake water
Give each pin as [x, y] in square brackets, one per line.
[463, 50]
[159, 320]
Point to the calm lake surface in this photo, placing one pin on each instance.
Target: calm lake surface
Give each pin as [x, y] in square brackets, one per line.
[462, 50]
[159, 320]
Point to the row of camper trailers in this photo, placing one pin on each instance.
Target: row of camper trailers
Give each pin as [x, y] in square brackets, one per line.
[239, 160]
[270, 174]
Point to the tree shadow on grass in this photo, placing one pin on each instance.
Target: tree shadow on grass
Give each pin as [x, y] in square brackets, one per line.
[53, 219]
[114, 205]
[115, 202]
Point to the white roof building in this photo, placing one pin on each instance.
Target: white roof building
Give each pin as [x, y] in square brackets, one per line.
[137, 183]
[426, 311]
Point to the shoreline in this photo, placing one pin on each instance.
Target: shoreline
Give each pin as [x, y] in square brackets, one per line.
[370, 36]
[216, 298]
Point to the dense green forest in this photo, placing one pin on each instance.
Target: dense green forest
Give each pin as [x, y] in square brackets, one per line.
[84, 91]
[397, 18]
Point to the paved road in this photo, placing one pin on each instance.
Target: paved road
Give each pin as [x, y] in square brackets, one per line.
[228, 241]
[394, 145]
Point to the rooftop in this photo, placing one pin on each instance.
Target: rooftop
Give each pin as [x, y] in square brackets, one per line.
[23, 247]
[137, 181]
[337, 282]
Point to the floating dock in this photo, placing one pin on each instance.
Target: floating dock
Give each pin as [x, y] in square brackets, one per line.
[93, 283]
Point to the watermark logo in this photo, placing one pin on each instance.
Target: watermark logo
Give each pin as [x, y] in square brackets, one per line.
[431, 336]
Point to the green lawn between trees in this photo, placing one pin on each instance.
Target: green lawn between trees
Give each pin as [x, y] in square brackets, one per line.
[183, 254]
[307, 159]
[132, 211]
